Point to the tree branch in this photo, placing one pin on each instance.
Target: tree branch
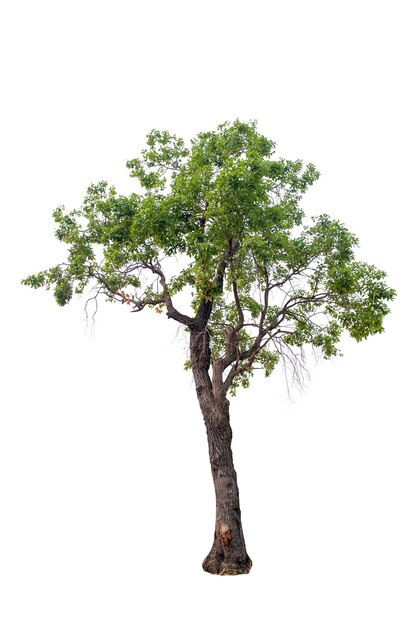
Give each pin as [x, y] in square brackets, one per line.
[140, 304]
[238, 367]
[206, 305]
[240, 318]
[172, 312]
[294, 301]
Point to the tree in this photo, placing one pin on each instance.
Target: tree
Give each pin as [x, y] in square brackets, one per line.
[220, 223]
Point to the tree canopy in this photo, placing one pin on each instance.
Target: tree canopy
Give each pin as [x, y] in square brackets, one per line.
[220, 221]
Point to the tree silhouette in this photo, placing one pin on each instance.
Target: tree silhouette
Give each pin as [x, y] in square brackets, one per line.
[220, 222]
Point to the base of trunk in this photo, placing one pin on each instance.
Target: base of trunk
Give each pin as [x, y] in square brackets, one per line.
[216, 562]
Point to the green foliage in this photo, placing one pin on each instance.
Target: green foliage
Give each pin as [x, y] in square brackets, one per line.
[224, 215]
[63, 291]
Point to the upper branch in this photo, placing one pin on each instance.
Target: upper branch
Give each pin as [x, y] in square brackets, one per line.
[206, 304]
[240, 316]
[266, 297]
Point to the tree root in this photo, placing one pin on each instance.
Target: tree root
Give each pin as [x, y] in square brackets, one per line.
[214, 564]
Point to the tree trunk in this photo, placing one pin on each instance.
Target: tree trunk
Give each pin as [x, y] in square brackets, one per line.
[228, 554]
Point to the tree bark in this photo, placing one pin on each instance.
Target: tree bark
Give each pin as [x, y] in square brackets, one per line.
[228, 554]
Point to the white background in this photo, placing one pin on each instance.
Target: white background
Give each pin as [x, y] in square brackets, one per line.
[107, 507]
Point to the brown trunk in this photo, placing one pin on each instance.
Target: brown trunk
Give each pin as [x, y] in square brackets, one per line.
[228, 554]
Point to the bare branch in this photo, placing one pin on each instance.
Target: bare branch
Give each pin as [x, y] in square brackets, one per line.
[95, 300]
[296, 362]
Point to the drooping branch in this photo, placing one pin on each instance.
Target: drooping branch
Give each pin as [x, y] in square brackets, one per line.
[94, 299]
[293, 360]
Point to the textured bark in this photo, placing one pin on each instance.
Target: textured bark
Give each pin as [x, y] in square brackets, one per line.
[228, 554]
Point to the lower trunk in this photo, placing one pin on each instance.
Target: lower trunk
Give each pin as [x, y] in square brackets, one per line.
[228, 554]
